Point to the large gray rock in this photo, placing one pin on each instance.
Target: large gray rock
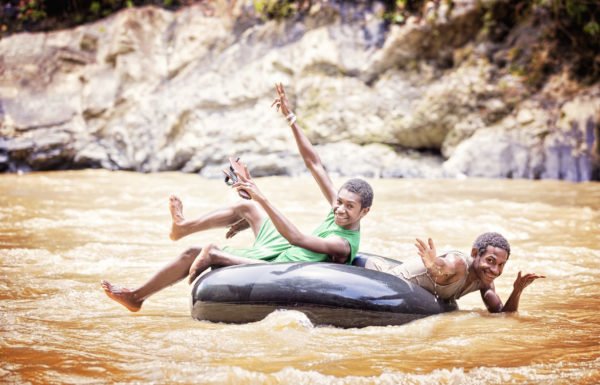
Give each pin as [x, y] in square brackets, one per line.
[535, 142]
[572, 148]
[150, 90]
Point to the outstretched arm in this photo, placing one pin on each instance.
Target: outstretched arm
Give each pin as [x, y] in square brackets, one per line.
[336, 247]
[494, 303]
[307, 151]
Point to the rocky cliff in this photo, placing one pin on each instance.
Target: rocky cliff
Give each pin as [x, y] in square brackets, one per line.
[152, 90]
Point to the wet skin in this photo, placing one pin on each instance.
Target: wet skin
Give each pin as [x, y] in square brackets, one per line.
[489, 266]
[176, 210]
[348, 210]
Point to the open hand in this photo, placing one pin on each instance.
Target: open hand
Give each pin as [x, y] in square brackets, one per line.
[427, 252]
[523, 281]
[281, 101]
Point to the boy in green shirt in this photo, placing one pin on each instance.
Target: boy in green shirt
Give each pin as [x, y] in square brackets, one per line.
[277, 239]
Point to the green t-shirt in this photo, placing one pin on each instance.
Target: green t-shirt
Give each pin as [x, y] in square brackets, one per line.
[270, 246]
[327, 229]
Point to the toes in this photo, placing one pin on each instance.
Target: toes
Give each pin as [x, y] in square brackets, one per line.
[191, 278]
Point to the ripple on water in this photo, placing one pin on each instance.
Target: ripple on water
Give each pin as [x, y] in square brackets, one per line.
[540, 374]
[62, 233]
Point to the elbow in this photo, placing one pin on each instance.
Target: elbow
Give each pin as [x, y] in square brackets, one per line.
[312, 164]
[312, 160]
[498, 309]
[296, 239]
[340, 260]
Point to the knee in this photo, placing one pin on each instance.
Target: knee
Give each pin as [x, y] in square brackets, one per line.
[244, 208]
[212, 250]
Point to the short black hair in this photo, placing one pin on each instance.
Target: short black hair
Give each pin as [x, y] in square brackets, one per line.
[362, 188]
[491, 239]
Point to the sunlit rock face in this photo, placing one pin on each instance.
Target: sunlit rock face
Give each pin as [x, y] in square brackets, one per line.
[152, 90]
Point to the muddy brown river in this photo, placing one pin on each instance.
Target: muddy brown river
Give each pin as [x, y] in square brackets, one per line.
[61, 232]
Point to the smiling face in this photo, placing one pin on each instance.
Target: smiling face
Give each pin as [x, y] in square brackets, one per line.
[348, 210]
[489, 265]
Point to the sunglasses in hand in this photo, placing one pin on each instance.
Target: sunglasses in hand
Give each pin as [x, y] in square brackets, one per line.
[231, 177]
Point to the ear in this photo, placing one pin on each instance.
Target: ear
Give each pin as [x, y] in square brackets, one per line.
[364, 211]
[474, 252]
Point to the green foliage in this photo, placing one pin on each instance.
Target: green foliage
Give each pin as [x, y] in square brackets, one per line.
[580, 15]
[95, 7]
[397, 11]
[394, 17]
[592, 28]
[274, 9]
[575, 9]
[568, 38]
[571, 29]
[31, 10]
[44, 15]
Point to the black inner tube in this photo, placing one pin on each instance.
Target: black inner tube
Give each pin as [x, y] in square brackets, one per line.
[328, 293]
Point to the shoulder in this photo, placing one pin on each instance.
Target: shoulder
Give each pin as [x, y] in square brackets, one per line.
[457, 260]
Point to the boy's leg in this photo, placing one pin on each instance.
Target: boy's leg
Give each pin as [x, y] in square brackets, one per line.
[222, 217]
[168, 275]
[212, 255]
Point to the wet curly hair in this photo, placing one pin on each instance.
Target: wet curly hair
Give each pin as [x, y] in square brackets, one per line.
[491, 239]
[362, 188]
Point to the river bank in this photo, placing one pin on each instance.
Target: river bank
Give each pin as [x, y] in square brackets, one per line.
[151, 90]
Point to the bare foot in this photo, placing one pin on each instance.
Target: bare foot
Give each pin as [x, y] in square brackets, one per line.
[121, 295]
[176, 209]
[201, 263]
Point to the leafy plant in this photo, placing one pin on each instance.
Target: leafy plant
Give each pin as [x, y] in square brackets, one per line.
[274, 9]
[31, 10]
[592, 28]
[569, 37]
[44, 15]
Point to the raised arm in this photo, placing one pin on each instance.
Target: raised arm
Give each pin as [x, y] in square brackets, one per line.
[336, 247]
[307, 151]
[441, 270]
[493, 302]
